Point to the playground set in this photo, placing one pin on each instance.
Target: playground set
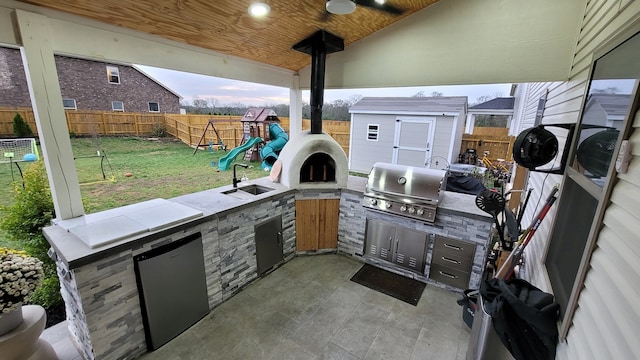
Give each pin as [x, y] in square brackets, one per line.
[262, 139]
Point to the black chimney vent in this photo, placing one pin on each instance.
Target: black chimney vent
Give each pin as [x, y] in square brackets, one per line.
[318, 46]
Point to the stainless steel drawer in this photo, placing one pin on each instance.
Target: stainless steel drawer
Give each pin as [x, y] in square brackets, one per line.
[449, 276]
[454, 261]
[454, 247]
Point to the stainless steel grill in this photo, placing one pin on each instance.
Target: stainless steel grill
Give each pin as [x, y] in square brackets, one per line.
[405, 190]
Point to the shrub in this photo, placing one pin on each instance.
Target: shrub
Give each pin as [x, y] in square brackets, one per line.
[159, 130]
[23, 222]
[20, 127]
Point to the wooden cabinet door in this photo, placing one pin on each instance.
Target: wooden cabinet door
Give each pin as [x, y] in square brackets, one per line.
[328, 211]
[317, 224]
[306, 225]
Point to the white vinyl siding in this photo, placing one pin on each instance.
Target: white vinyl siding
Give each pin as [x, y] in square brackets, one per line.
[605, 322]
[363, 153]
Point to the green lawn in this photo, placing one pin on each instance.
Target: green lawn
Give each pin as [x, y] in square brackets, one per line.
[159, 169]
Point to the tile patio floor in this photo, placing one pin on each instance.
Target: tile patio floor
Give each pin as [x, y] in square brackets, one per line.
[309, 309]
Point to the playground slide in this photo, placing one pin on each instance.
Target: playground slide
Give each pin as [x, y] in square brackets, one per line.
[269, 152]
[225, 162]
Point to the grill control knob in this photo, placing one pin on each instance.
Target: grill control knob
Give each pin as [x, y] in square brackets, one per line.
[373, 201]
[420, 212]
[387, 205]
[403, 208]
[412, 210]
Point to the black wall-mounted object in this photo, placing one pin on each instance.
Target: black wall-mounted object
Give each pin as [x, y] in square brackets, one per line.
[537, 146]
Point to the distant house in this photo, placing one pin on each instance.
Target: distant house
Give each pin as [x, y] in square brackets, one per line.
[89, 85]
[606, 109]
[496, 112]
[415, 131]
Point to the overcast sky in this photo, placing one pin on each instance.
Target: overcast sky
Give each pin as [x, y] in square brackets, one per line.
[226, 91]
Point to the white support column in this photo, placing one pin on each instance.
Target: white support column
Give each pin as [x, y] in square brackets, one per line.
[295, 108]
[471, 118]
[46, 99]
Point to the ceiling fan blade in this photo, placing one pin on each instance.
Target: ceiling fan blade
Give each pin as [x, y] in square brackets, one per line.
[381, 7]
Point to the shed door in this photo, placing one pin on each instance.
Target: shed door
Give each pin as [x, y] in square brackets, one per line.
[413, 141]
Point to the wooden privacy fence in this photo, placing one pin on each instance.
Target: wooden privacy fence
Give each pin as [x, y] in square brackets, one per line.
[496, 147]
[189, 128]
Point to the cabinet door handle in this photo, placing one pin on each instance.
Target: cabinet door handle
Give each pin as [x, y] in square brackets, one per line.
[453, 261]
[279, 237]
[457, 248]
[447, 275]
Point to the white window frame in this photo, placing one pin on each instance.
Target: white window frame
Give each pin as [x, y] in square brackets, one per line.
[114, 108]
[373, 134]
[113, 72]
[157, 106]
[75, 106]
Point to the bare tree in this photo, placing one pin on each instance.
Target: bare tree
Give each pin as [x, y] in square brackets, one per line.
[199, 105]
[418, 94]
[354, 99]
[609, 90]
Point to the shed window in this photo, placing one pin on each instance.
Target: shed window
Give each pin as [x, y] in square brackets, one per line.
[117, 106]
[69, 104]
[372, 132]
[154, 107]
[113, 75]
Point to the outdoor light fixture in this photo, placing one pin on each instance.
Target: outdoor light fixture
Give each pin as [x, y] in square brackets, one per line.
[341, 7]
[259, 9]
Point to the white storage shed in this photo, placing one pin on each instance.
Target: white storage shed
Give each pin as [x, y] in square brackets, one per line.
[415, 131]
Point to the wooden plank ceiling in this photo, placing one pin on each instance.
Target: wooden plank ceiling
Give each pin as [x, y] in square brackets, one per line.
[226, 27]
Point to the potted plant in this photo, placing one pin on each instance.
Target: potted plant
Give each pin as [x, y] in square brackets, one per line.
[20, 275]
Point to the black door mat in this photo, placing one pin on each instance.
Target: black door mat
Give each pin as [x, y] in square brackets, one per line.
[386, 282]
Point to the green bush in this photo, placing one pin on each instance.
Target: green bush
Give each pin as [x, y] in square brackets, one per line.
[20, 127]
[23, 222]
[159, 130]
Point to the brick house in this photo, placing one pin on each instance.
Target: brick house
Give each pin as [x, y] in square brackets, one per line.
[89, 85]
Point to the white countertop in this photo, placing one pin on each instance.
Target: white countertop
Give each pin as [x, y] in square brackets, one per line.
[105, 227]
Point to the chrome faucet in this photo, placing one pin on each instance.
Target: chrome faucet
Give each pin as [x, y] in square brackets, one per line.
[235, 178]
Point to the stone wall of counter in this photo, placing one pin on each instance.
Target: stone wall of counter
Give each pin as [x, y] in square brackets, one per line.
[102, 302]
[238, 264]
[351, 226]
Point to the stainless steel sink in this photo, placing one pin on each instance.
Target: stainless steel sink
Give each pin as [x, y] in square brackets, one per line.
[255, 189]
[247, 191]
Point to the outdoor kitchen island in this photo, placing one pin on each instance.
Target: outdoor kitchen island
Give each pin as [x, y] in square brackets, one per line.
[100, 284]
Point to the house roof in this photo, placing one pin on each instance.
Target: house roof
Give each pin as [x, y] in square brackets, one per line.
[443, 104]
[615, 105]
[156, 81]
[499, 103]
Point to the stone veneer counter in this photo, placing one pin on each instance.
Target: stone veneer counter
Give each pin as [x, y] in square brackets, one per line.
[99, 284]
[73, 251]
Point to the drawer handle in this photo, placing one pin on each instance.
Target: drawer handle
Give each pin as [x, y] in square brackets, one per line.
[447, 274]
[458, 248]
[450, 260]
